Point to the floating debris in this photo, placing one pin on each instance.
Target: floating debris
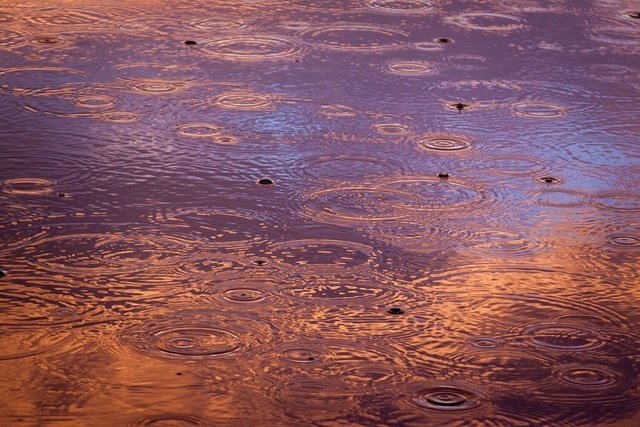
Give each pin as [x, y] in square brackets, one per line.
[266, 181]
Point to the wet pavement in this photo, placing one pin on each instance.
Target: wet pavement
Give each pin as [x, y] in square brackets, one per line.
[336, 212]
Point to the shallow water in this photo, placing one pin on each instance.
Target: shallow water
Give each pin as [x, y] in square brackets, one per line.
[364, 212]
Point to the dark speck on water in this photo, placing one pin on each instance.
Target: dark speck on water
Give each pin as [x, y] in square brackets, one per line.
[276, 200]
[266, 181]
[460, 106]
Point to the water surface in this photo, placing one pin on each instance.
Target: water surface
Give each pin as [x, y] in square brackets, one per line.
[364, 212]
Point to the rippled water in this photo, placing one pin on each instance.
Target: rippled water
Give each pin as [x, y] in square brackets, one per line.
[362, 212]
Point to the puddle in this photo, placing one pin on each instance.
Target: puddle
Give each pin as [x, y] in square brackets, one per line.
[319, 212]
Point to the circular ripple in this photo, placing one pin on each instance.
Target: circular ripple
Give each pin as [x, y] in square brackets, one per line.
[505, 243]
[119, 117]
[225, 140]
[390, 128]
[196, 335]
[242, 101]
[49, 39]
[355, 205]
[336, 288]
[213, 266]
[507, 368]
[355, 37]
[251, 47]
[624, 241]
[409, 68]
[93, 253]
[70, 17]
[243, 295]
[27, 186]
[217, 24]
[619, 202]
[199, 130]
[428, 46]
[301, 355]
[487, 21]
[444, 142]
[587, 376]
[323, 253]
[541, 110]
[95, 102]
[64, 170]
[560, 198]
[156, 86]
[169, 420]
[482, 92]
[310, 369]
[514, 165]
[39, 78]
[219, 227]
[337, 291]
[400, 6]
[449, 399]
[434, 194]
[337, 110]
[196, 341]
[345, 168]
[558, 336]
[21, 343]
[485, 342]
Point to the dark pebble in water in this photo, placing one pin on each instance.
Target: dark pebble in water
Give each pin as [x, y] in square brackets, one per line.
[460, 106]
[549, 180]
[443, 40]
[443, 175]
[395, 310]
[3, 272]
[190, 42]
[265, 181]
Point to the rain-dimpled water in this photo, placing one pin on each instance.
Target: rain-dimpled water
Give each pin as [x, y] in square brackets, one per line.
[320, 213]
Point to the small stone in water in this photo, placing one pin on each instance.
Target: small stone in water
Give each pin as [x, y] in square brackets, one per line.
[265, 181]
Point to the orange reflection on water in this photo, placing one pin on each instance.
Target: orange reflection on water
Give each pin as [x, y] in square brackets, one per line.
[370, 212]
